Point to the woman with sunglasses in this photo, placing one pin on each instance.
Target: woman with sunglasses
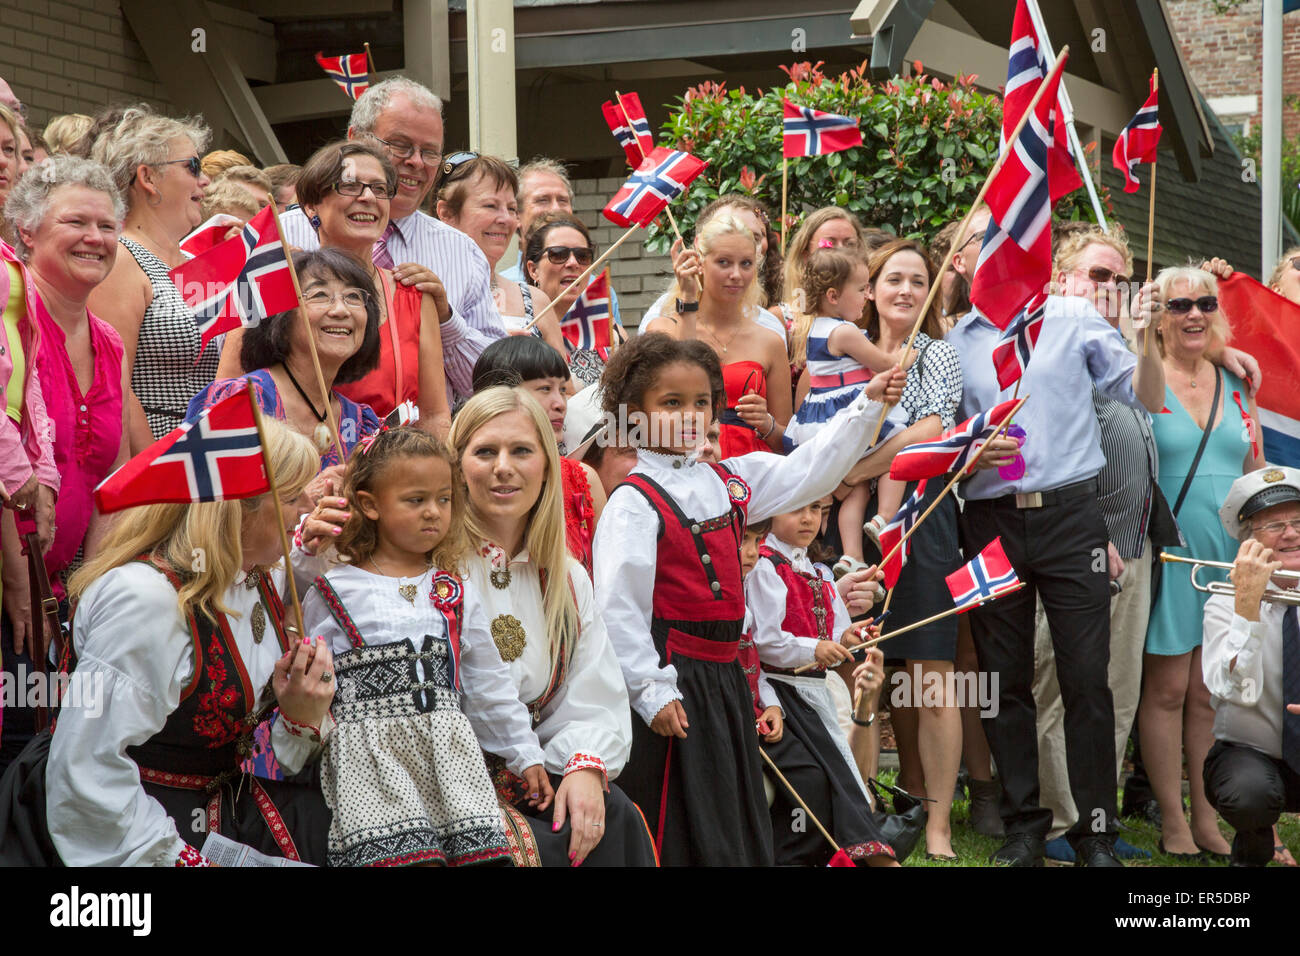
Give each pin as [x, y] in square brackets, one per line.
[479, 195]
[1175, 707]
[155, 165]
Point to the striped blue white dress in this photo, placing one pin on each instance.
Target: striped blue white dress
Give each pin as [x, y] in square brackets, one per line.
[836, 381]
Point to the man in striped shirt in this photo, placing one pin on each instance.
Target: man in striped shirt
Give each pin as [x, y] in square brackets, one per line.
[406, 119]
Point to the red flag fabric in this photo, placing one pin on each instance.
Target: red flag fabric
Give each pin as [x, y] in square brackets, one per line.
[951, 450]
[239, 281]
[660, 178]
[810, 132]
[215, 456]
[208, 234]
[1138, 141]
[841, 859]
[586, 324]
[1011, 354]
[904, 518]
[630, 127]
[987, 576]
[349, 71]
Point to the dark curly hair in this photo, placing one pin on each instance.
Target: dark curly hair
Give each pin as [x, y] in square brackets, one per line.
[633, 369]
[358, 539]
[516, 359]
[267, 343]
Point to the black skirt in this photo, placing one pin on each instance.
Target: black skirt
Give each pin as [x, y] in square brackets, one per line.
[626, 841]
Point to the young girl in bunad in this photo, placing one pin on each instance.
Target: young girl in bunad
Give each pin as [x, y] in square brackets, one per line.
[546, 629]
[840, 361]
[801, 619]
[404, 774]
[668, 585]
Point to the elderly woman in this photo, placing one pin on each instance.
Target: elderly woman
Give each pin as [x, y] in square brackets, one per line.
[173, 665]
[546, 629]
[155, 164]
[11, 163]
[1205, 441]
[343, 316]
[479, 196]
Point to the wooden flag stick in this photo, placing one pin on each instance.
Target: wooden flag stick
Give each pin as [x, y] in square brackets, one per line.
[583, 277]
[279, 519]
[370, 59]
[335, 435]
[785, 169]
[799, 800]
[1151, 221]
[961, 232]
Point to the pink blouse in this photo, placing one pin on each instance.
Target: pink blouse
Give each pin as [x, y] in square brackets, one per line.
[87, 428]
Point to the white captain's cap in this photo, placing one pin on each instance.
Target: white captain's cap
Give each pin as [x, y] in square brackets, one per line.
[1252, 493]
[584, 421]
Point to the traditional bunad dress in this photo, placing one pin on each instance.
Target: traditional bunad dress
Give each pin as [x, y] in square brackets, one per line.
[578, 704]
[795, 605]
[404, 773]
[669, 588]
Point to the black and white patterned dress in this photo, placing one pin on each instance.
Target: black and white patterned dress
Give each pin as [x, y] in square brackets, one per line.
[169, 369]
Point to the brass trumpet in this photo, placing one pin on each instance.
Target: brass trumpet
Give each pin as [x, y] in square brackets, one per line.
[1291, 596]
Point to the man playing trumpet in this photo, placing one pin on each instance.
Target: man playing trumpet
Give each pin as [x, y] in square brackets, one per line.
[1251, 664]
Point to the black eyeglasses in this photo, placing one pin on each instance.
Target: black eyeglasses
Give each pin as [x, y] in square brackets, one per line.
[355, 187]
[1295, 263]
[559, 255]
[456, 160]
[193, 164]
[1101, 275]
[972, 238]
[407, 150]
[1206, 303]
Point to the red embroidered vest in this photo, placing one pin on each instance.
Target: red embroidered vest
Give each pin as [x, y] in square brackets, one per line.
[809, 602]
[748, 657]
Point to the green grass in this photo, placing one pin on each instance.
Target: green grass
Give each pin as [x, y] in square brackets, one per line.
[973, 849]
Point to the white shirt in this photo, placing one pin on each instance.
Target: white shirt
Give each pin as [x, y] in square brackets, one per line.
[767, 594]
[1247, 699]
[589, 713]
[134, 658]
[661, 306]
[461, 267]
[626, 547]
[500, 720]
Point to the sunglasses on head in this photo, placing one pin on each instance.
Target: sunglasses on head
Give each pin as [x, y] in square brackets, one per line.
[559, 255]
[1206, 303]
[1101, 275]
[456, 160]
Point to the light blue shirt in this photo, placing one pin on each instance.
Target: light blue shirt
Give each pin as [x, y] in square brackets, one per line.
[461, 267]
[1076, 350]
[516, 274]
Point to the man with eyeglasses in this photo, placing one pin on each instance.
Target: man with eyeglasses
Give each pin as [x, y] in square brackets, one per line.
[406, 119]
[1251, 663]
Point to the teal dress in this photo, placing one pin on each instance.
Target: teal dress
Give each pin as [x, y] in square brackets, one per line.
[1175, 626]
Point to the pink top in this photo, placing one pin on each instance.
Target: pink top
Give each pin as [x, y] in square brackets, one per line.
[25, 446]
[87, 428]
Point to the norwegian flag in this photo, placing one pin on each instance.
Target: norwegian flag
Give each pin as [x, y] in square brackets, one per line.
[239, 281]
[951, 450]
[586, 325]
[1011, 354]
[630, 127]
[208, 234]
[1015, 261]
[348, 71]
[988, 576]
[1138, 141]
[658, 180]
[810, 132]
[214, 457]
[893, 533]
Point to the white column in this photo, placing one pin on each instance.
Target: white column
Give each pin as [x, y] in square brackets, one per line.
[424, 45]
[1270, 233]
[490, 36]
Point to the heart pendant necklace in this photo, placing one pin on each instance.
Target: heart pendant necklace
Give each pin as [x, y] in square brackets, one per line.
[407, 591]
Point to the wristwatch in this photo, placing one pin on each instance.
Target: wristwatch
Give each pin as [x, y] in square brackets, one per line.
[865, 723]
[687, 306]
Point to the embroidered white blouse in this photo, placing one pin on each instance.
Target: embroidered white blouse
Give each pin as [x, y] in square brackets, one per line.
[587, 724]
[626, 544]
[134, 659]
[767, 594]
[501, 723]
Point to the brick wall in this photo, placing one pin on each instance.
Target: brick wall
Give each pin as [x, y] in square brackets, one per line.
[1223, 53]
[73, 56]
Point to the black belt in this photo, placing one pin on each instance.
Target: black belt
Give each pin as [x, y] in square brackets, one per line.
[1041, 499]
[790, 672]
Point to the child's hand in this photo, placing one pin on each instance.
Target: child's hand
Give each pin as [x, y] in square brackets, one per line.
[671, 721]
[539, 786]
[776, 721]
[852, 635]
[831, 654]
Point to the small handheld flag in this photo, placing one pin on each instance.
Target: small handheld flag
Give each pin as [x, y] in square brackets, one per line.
[1011, 354]
[348, 71]
[982, 578]
[208, 234]
[1138, 141]
[810, 132]
[904, 518]
[664, 175]
[215, 456]
[951, 450]
[586, 325]
[630, 127]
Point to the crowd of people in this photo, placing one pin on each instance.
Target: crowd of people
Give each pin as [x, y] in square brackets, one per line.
[532, 634]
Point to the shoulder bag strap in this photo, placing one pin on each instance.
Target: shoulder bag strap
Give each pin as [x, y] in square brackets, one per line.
[1205, 438]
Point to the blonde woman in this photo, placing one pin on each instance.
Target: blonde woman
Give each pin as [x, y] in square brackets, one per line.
[1285, 279]
[178, 634]
[547, 631]
[716, 292]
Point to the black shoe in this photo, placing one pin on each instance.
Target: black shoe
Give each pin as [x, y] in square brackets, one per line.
[1186, 857]
[985, 796]
[1145, 810]
[1096, 851]
[1020, 849]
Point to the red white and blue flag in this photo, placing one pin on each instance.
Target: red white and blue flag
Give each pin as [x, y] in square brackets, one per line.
[630, 127]
[810, 132]
[1015, 261]
[902, 523]
[349, 71]
[239, 281]
[988, 576]
[658, 180]
[586, 325]
[215, 456]
[1011, 354]
[1139, 140]
[951, 450]
[208, 234]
